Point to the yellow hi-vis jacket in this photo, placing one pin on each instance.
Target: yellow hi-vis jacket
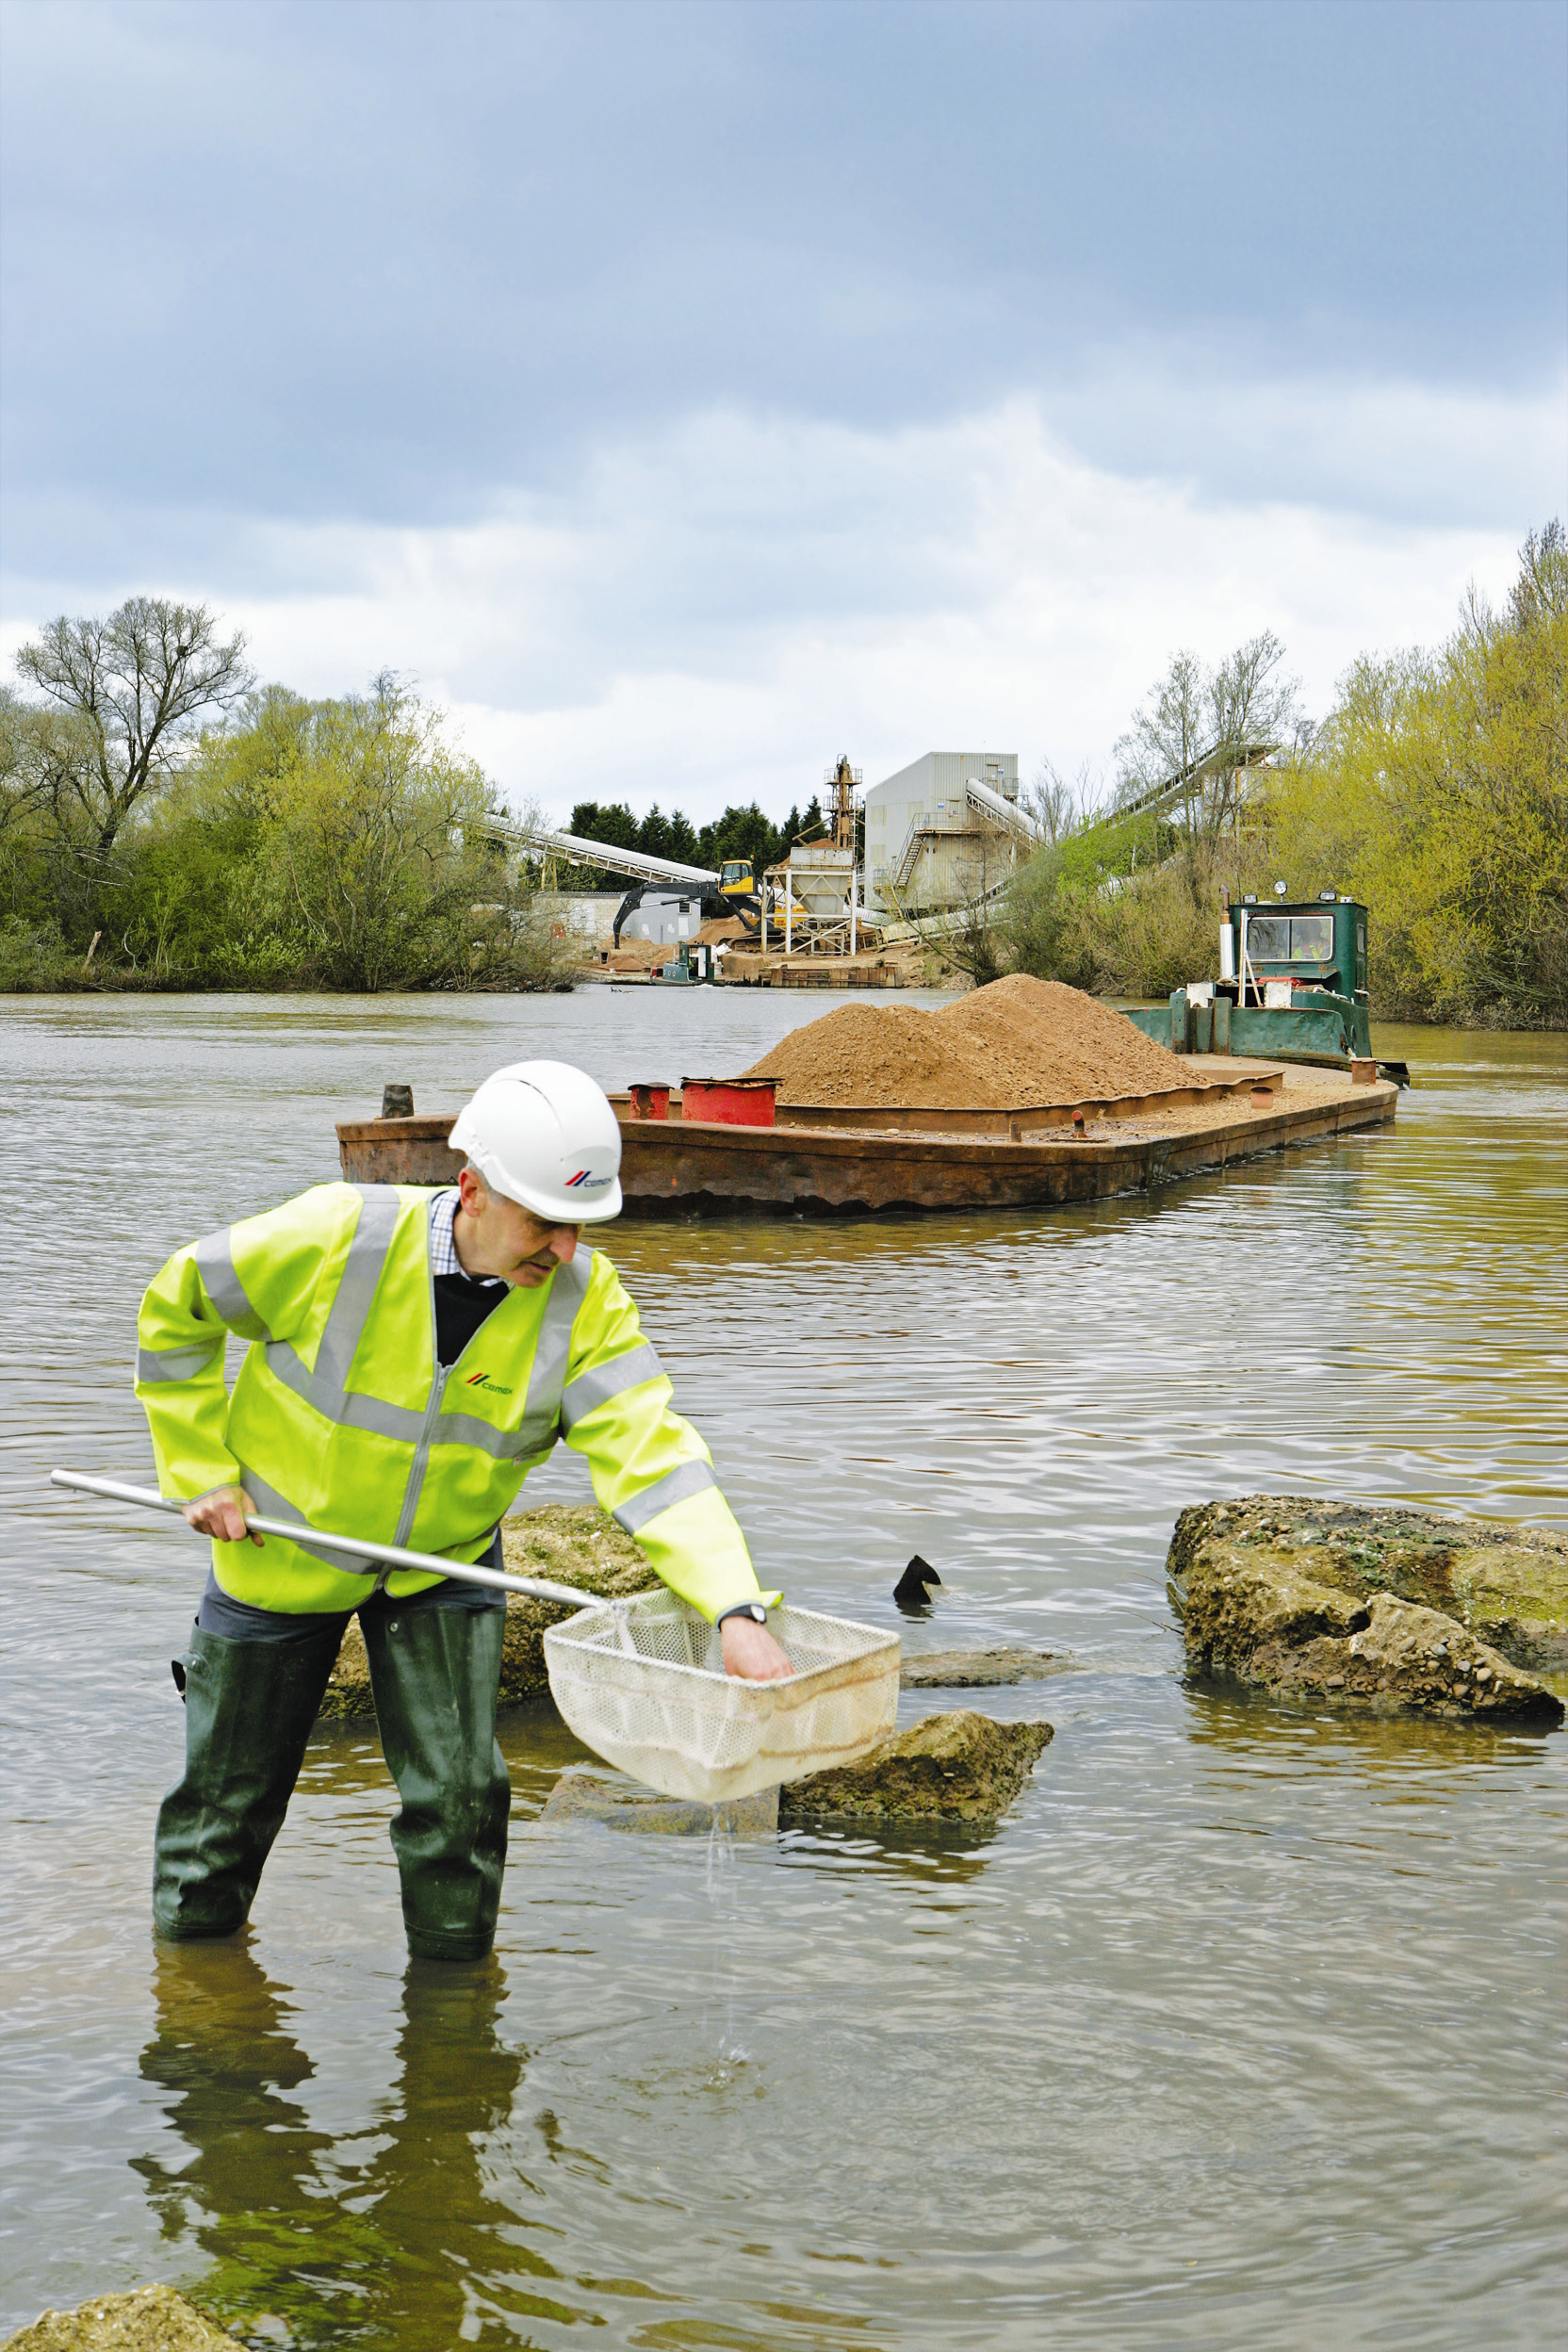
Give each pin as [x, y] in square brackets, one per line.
[341, 1417]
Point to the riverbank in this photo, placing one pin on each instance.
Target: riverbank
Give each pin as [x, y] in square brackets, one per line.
[72, 982]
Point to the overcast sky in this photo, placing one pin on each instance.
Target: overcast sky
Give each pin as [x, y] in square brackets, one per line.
[687, 394]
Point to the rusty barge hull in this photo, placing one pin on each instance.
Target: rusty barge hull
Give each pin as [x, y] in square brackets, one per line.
[673, 1169]
[684, 1169]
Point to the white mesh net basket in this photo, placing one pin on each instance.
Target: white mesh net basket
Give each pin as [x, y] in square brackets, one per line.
[643, 1683]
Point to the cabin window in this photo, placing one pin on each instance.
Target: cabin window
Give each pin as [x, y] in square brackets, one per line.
[1290, 939]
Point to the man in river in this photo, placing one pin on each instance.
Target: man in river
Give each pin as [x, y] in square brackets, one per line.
[412, 1357]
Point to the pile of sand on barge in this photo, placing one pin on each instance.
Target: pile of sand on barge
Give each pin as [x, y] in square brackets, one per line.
[1018, 1041]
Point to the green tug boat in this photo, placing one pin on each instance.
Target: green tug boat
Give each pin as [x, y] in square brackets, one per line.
[1292, 988]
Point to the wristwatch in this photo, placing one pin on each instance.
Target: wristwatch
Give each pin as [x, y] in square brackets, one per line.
[754, 1610]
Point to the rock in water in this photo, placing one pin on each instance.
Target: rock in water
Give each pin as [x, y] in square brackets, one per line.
[958, 1767]
[980, 1670]
[1390, 1610]
[150, 2319]
[623, 1805]
[567, 1542]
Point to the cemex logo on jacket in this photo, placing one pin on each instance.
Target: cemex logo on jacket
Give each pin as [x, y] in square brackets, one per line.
[483, 1379]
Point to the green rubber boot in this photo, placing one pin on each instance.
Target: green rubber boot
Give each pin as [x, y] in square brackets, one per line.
[434, 1672]
[249, 1706]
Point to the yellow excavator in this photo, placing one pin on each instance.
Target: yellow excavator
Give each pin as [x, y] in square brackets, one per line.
[736, 888]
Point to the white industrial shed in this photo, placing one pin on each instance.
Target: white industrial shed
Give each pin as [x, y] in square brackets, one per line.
[928, 796]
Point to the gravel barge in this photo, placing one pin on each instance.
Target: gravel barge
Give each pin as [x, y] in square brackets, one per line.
[870, 1161]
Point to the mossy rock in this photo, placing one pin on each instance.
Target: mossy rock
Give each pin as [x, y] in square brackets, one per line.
[625, 1805]
[568, 1544]
[981, 1670]
[148, 2319]
[955, 1767]
[1389, 1608]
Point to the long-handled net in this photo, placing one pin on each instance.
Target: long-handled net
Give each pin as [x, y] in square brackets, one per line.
[642, 1682]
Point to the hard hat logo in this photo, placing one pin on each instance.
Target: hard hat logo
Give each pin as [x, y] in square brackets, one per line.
[529, 1125]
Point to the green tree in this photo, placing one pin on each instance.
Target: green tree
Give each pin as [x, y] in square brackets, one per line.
[1437, 790]
[129, 691]
[344, 843]
[653, 835]
[196, 896]
[613, 824]
[28, 752]
[379, 846]
[683, 839]
[239, 767]
[740, 833]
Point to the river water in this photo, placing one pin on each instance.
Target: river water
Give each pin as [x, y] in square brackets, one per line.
[1242, 2028]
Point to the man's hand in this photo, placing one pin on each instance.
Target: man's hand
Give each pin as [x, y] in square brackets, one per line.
[223, 1513]
[751, 1652]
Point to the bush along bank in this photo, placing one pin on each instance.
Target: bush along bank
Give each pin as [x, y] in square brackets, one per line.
[1436, 791]
[292, 844]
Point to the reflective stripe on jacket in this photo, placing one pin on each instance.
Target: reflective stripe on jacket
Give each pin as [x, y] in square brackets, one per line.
[341, 1416]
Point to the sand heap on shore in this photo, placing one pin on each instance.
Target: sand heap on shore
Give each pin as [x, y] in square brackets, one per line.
[1018, 1041]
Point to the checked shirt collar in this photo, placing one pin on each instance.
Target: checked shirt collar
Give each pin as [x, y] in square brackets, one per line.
[443, 1250]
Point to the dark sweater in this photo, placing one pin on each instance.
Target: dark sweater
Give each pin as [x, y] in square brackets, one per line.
[461, 1304]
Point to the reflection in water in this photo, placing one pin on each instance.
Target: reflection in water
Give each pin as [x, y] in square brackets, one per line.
[933, 1853]
[226, 2059]
[389, 2246]
[1288, 1736]
[253, 2190]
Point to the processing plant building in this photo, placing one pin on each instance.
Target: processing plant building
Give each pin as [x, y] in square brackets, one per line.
[922, 828]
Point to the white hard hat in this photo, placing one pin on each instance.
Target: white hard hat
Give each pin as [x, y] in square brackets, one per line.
[544, 1134]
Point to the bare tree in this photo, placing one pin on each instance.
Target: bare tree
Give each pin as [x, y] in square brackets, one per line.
[1168, 736]
[1055, 808]
[1250, 704]
[1540, 592]
[22, 781]
[132, 687]
[1254, 712]
[1200, 730]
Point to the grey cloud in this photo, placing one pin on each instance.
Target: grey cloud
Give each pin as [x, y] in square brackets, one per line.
[394, 264]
